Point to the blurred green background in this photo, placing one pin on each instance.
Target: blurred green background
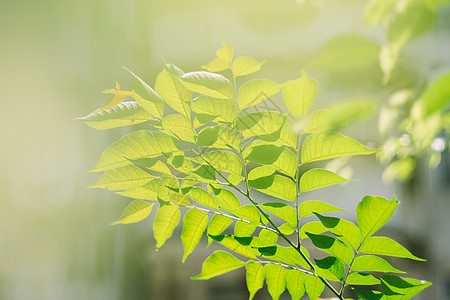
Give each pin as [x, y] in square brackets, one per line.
[57, 56]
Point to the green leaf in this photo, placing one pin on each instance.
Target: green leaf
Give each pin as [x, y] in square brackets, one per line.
[218, 263]
[224, 161]
[372, 263]
[180, 126]
[275, 280]
[136, 211]
[226, 199]
[397, 288]
[151, 164]
[286, 228]
[343, 229]
[308, 208]
[209, 84]
[166, 220]
[361, 279]
[254, 277]
[236, 244]
[217, 225]
[270, 126]
[255, 91]
[220, 110]
[281, 210]
[216, 65]
[136, 145]
[123, 114]
[332, 246]
[172, 90]
[373, 212]
[266, 238]
[243, 229]
[314, 286]
[195, 223]
[122, 178]
[168, 191]
[148, 98]
[245, 65]
[247, 212]
[330, 268]
[298, 95]
[288, 255]
[235, 179]
[117, 98]
[378, 11]
[314, 227]
[202, 197]
[368, 294]
[218, 137]
[147, 191]
[327, 145]
[436, 97]
[274, 185]
[294, 283]
[380, 245]
[226, 52]
[281, 158]
[318, 178]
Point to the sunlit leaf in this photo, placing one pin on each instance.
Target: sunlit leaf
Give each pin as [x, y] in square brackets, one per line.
[167, 218]
[151, 164]
[220, 110]
[273, 185]
[308, 208]
[398, 288]
[216, 65]
[117, 98]
[226, 52]
[330, 268]
[226, 199]
[294, 283]
[281, 210]
[122, 178]
[218, 137]
[136, 145]
[202, 197]
[195, 223]
[180, 126]
[224, 161]
[371, 263]
[275, 280]
[286, 228]
[254, 277]
[373, 212]
[332, 246]
[437, 96]
[245, 65]
[123, 114]
[327, 145]
[319, 178]
[209, 84]
[313, 286]
[266, 238]
[218, 263]
[147, 191]
[243, 229]
[238, 245]
[377, 11]
[168, 191]
[246, 212]
[287, 255]
[380, 245]
[217, 225]
[136, 211]
[361, 279]
[369, 294]
[255, 91]
[314, 227]
[298, 95]
[345, 230]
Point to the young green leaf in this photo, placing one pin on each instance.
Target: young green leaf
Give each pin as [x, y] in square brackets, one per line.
[226, 199]
[167, 218]
[247, 212]
[318, 178]
[282, 211]
[313, 286]
[168, 192]
[294, 283]
[314, 227]
[220, 110]
[243, 229]
[275, 185]
[218, 263]
[172, 90]
[397, 288]
[195, 223]
[238, 245]
[136, 211]
[122, 178]
[436, 96]
[308, 208]
[219, 136]
[217, 225]
[275, 280]
[202, 197]
[147, 97]
[216, 65]
[255, 91]
[330, 268]
[123, 114]
[245, 65]
[224, 161]
[380, 245]
[180, 126]
[298, 95]
[254, 277]
[345, 230]
[332, 246]
[266, 238]
[372, 263]
[373, 212]
[327, 145]
[361, 279]
[369, 294]
[289, 255]
[136, 145]
[147, 191]
[209, 84]
[226, 52]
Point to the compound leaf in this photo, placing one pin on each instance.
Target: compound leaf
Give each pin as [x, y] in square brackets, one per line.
[216, 65]
[332, 246]
[281, 210]
[136, 211]
[167, 218]
[218, 263]
[224, 161]
[314, 227]
[122, 178]
[398, 288]
[147, 191]
[195, 222]
[343, 229]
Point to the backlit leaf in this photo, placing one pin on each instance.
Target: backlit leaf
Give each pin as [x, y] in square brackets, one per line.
[327, 145]
[217, 225]
[308, 208]
[236, 244]
[380, 245]
[313, 286]
[224, 161]
[281, 210]
[398, 288]
[180, 126]
[254, 277]
[314, 227]
[226, 199]
[298, 95]
[373, 263]
[216, 65]
[332, 246]
[168, 191]
[195, 223]
[275, 280]
[220, 110]
[369, 294]
[319, 178]
[209, 84]
[345, 230]
[218, 263]
[330, 268]
[167, 218]
[373, 212]
[245, 65]
[147, 191]
[246, 212]
[255, 91]
[136, 211]
[226, 52]
[122, 178]
[218, 137]
[242, 228]
[361, 279]
[202, 197]
[117, 98]
[273, 185]
[294, 283]
[437, 96]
